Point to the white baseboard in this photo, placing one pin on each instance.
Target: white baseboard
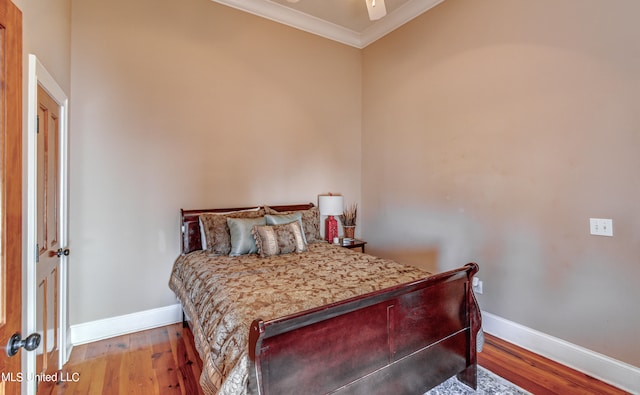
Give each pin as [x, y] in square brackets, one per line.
[124, 324]
[609, 370]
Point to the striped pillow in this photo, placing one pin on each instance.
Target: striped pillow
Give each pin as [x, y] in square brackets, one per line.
[310, 222]
[279, 239]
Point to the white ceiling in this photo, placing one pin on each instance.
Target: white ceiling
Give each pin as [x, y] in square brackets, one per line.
[345, 21]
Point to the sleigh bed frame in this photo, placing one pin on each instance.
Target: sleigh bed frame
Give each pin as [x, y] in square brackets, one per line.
[401, 340]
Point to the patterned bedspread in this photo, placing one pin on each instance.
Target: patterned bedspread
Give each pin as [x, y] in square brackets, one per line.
[223, 295]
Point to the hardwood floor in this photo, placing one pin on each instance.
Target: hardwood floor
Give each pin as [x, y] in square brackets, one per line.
[537, 374]
[157, 361]
[164, 361]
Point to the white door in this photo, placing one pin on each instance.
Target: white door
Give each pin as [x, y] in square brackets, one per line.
[47, 218]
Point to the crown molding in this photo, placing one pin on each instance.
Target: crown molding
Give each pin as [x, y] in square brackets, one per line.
[308, 23]
[394, 20]
[296, 19]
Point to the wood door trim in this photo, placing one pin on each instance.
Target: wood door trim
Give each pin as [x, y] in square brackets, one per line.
[11, 181]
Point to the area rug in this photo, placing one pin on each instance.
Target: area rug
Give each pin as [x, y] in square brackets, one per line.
[488, 383]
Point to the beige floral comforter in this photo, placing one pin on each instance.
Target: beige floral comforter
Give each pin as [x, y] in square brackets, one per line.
[223, 295]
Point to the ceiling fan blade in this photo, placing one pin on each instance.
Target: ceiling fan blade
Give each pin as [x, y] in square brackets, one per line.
[376, 8]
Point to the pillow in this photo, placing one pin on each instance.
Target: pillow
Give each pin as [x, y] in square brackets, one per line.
[203, 236]
[282, 219]
[216, 230]
[191, 238]
[310, 222]
[242, 242]
[279, 239]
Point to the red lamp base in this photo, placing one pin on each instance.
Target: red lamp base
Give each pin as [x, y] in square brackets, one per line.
[330, 228]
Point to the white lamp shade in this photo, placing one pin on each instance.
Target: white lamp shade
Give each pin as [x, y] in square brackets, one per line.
[330, 204]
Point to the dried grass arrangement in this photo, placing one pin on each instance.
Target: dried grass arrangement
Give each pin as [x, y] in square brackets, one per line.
[348, 217]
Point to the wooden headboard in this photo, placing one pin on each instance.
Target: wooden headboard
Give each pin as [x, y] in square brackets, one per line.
[190, 226]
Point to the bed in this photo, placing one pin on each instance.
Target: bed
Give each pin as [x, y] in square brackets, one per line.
[315, 318]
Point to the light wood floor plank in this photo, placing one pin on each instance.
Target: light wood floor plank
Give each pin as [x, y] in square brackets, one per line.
[163, 364]
[112, 374]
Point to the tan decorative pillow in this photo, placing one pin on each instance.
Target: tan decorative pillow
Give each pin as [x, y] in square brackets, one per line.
[281, 219]
[310, 222]
[217, 231]
[279, 239]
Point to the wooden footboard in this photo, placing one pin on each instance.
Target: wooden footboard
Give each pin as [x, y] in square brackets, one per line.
[402, 340]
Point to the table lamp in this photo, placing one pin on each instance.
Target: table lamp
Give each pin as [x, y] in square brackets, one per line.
[330, 205]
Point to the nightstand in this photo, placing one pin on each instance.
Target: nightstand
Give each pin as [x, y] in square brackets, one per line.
[355, 243]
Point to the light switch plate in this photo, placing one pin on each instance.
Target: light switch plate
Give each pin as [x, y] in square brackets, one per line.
[601, 227]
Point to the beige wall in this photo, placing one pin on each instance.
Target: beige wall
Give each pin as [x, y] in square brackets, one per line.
[190, 104]
[492, 131]
[47, 34]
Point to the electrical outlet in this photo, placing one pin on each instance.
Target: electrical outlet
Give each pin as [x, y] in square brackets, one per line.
[601, 227]
[477, 285]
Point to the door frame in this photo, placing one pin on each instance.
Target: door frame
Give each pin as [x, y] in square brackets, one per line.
[38, 75]
[11, 191]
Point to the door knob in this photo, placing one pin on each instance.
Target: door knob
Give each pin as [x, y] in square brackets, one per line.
[62, 252]
[16, 342]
